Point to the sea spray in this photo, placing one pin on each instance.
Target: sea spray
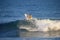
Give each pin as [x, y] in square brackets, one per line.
[40, 25]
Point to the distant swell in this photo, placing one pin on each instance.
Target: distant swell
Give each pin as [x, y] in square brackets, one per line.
[40, 25]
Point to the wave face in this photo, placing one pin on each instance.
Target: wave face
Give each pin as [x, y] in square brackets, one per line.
[40, 25]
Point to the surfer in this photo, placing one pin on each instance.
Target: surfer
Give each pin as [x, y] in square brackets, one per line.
[28, 16]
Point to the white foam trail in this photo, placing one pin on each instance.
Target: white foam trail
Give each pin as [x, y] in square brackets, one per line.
[43, 25]
[46, 25]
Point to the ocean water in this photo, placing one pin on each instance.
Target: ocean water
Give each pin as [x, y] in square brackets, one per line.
[45, 22]
[12, 10]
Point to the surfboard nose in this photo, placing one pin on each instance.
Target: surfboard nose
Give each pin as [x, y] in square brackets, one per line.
[28, 17]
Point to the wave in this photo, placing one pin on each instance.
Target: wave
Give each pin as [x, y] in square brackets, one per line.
[40, 25]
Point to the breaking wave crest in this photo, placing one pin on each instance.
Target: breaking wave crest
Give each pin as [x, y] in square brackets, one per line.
[40, 25]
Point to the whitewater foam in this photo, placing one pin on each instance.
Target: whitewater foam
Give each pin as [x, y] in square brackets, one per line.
[41, 25]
